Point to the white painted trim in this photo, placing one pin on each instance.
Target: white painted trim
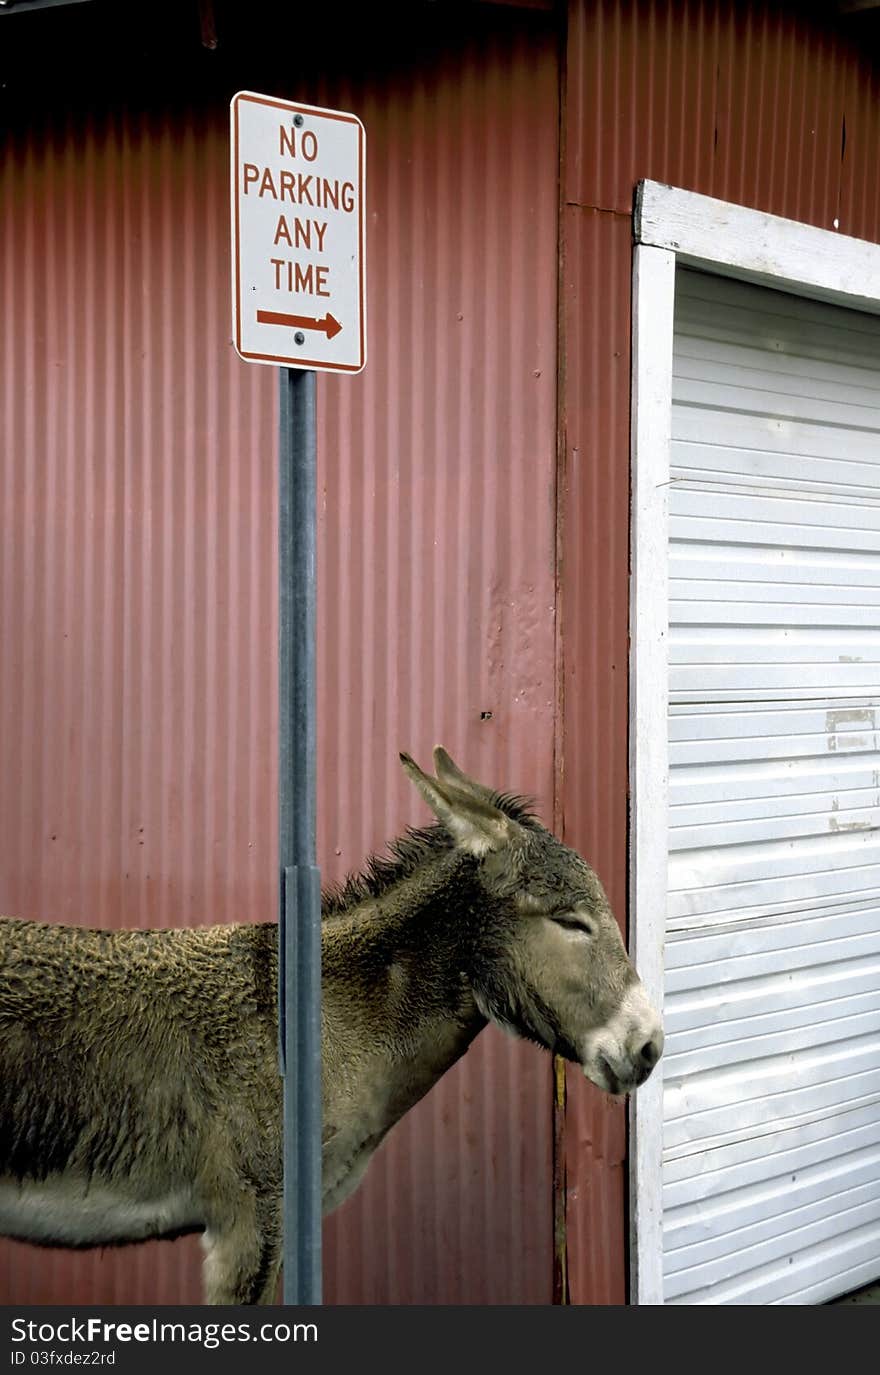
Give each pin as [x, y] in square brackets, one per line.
[653, 302]
[674, 226]
[734, 241]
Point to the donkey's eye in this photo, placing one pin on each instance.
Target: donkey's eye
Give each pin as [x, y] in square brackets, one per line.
[584, 928]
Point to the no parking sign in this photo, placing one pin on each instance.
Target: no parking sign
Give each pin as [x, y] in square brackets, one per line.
[298, 261]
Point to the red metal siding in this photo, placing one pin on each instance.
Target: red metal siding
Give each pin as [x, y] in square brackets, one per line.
[595, 599]
[437, 605]
[137, 683]
[136, 698]
[746, 102]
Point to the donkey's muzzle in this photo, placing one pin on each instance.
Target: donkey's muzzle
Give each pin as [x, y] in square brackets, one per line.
[642, 1054]
[648, 1054]
[620, 1057]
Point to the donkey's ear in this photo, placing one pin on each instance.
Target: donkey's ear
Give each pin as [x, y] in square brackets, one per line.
[449, 772]
[475, 825]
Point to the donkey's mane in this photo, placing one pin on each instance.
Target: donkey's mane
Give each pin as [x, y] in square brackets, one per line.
[406, 854]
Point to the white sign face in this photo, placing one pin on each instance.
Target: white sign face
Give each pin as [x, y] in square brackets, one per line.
[298, 235]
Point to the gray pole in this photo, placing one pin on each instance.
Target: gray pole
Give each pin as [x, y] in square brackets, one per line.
[299, 950]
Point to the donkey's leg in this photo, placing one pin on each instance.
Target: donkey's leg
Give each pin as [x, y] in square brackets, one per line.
[243, 1256]
[272, 1229]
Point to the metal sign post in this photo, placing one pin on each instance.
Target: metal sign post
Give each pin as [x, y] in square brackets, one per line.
[300, 907]
[298, 290]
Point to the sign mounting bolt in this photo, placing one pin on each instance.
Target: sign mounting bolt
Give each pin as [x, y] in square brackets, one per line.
[298, 121]
[299, 337]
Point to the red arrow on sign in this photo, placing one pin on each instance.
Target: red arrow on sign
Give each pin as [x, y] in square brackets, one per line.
[329, 325]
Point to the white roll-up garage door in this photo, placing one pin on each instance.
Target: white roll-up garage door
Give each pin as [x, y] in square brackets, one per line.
[771, 1166]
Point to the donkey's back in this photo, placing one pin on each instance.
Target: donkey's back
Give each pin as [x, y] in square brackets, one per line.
[139, 1088]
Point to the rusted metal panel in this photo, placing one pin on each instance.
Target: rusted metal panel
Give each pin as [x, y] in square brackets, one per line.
[439, 488]
[766, 104]
[138, 587]
[594, 602]
[137, 683]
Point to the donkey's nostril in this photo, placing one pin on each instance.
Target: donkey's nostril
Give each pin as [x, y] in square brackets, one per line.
[650, 1052]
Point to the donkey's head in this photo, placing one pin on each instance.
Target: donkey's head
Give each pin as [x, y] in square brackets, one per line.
[547, 960]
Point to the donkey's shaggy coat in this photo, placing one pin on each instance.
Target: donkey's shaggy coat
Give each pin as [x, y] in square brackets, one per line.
[139, 1088]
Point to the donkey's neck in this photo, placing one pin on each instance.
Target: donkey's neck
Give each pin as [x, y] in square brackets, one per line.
[398, 1007]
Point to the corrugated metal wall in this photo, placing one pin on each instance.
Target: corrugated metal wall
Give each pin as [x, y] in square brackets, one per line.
[438, 563]
[137, 682]
[768, 105]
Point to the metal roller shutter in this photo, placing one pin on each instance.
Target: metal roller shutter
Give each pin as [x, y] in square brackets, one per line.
[771, 1173]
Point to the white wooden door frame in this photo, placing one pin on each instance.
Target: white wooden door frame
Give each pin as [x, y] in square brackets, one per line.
[671, 227]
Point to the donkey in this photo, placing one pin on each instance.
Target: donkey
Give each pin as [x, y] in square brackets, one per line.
[139, 1088]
